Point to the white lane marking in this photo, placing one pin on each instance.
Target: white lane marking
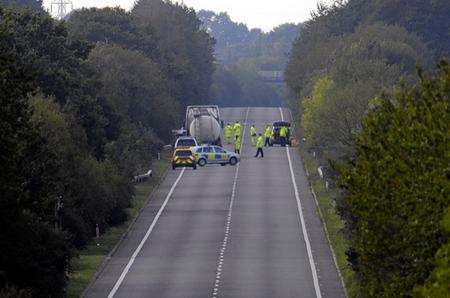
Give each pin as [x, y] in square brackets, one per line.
[149, 231]
[302, 220]
[223, 247]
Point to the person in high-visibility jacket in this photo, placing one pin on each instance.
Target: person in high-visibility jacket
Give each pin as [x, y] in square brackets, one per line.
[253, 135]
[228, 133]
[267, 135]
[283, 135]
[237, 129]
[260, 146]
[237, 145]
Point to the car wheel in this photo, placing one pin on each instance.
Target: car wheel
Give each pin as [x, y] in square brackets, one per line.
[202, 162]
[233, 161]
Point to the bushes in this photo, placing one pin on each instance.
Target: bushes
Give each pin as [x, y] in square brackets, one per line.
[77, 122]
[398, 187]
[348, 54]
[438, 284]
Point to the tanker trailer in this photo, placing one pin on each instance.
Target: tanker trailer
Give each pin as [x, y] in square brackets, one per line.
[203, 123]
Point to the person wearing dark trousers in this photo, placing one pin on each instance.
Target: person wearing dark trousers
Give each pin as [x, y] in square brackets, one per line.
[260, 146]
[267, 135]
[283, 135]
[237, 145]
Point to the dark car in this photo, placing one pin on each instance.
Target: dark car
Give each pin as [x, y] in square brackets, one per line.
[276, 139]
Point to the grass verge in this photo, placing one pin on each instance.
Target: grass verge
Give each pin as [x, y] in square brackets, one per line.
[90, 258]
[333, 223]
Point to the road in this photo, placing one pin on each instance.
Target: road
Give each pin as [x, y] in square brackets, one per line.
[246, 231]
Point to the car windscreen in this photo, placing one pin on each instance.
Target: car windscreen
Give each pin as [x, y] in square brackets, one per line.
[183, 153]
[282, 123]
[186, 143]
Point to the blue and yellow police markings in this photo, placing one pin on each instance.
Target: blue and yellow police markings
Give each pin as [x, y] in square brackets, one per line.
[214, 155]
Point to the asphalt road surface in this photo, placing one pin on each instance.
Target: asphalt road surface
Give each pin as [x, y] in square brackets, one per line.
[246, 231]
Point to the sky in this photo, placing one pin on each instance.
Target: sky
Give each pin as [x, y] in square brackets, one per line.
[263, 14]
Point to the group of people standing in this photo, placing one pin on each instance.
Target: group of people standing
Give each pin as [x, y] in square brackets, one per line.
[233, 133]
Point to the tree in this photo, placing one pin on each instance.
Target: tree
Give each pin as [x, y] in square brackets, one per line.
[438, 284]
[243, 53]
[366, 62]
[112, 26]
[137, 91]
[187, 50]
[61, 70]
[397, 188]
[313, 114]
[33, 254]
[318, 46]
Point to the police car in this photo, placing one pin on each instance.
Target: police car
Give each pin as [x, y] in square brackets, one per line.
[215, 155]
[183, 158]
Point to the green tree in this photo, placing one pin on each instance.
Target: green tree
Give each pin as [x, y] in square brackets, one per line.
[112, 26]
[137, 92]
[438, 284]
[33, 255]
[313, 108]
[61, 70]
[398, 187]
[186, 49]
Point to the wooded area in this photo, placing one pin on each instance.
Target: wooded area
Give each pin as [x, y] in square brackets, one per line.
[242, 56]
[382, 123]
[86, 104]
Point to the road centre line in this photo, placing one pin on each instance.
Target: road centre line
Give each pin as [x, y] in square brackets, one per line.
[223, 247]
[147, 234]
[302, 221]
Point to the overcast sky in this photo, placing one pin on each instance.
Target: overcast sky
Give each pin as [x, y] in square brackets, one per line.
[264, 14]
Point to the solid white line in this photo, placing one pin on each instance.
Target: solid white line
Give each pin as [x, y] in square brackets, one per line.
[223, 247]
[302, 221]
[149, 231]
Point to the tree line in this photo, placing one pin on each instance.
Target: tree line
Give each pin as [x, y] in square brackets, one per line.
[85, 105]
[241, 55]
[374, 105]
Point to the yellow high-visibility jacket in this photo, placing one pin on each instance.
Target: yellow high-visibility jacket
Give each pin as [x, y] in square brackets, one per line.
[283, 131]
[268, 132]
[260, 142]
[237, 129]
[237, 144]
[228, 131]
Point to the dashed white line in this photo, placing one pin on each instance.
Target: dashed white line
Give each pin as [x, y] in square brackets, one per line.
[147, 234]
[303, 225]
[223, 248]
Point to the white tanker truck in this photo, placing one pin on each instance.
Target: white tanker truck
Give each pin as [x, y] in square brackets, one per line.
[203, 123]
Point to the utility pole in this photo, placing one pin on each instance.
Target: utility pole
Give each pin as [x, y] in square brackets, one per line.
[61, 8]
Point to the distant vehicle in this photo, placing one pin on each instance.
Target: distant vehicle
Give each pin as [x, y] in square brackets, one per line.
[204, 124]
[185, 142]
[184, 158]
[215, 155]
[275, 139]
